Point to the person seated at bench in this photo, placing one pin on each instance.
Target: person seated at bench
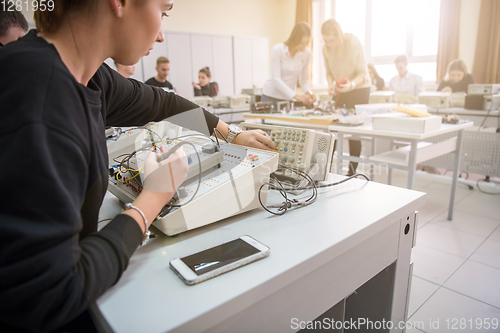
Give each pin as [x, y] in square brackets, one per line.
[457, 79]
[205, 87]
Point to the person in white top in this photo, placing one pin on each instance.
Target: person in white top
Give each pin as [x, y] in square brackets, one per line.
[406, 82]
[289, 63]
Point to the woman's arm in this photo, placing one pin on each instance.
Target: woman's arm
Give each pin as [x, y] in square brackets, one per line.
[442, 84]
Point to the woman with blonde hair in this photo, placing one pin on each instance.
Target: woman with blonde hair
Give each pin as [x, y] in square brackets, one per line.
[289, 63]
[457, 79]
[346, 73]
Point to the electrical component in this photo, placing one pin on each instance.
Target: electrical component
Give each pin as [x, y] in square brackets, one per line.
[239, 101]
[303, 149]
[435, 99]
[483, 89]
[382, 97]
[216, 193]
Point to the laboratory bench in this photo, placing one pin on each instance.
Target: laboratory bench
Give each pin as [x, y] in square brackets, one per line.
[346, 256]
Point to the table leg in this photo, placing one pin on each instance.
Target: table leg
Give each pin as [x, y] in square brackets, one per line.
[412, 164]
[458, 152]
[371, 165]
[340, 149]
[389, 175]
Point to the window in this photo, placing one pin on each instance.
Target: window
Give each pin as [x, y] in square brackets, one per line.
[387, 29]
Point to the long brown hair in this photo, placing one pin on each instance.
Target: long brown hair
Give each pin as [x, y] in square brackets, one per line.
[301, 30]
[49, 21]
[455, 65]
[333, 28]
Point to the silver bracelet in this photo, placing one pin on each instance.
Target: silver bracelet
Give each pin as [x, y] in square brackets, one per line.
[147, 233]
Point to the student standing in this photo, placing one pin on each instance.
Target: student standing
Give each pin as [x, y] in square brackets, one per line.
[346, 73]
[289, 64]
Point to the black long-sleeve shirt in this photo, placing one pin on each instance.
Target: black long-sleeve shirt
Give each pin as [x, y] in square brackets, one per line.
[53, 160]
[463, 85]
[211, 89]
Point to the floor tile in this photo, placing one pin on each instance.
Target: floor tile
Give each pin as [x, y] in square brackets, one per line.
[481, 204]
[438, 201]
[421, 291]
[434, 265]
[447, 306]
[448, 240]
[488, 253]
[471, 223]
[477, 281]
[495, 235]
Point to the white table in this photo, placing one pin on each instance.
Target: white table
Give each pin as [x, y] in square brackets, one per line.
[312, 122]
[320, 255]
[406, 158]
[231, 115]
[488, 119]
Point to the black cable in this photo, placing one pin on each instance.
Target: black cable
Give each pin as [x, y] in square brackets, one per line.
[147, 129]
[334, 184]
[486, 117]
[287, 204]
[215, 129]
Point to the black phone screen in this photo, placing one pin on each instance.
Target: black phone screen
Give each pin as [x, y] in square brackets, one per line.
[218, 256]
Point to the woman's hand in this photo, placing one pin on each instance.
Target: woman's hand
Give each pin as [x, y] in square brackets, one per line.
[345, 87]
[167, 175]
[447, 89]
[255, 139]
[305, 98]
[196, 85]
[161, 180]
[312, 97]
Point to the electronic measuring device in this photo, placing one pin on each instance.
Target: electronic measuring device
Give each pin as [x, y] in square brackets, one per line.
[299, 148]
[231, 176]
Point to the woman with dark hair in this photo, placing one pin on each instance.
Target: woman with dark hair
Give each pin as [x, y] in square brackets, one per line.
[289, 63]
[54, 263]
[377, 81]
[457, 78]
[346, 73]
[205, 87]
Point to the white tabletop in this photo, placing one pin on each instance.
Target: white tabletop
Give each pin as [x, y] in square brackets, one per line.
[149, 297]
[463, 111]
[367, 129]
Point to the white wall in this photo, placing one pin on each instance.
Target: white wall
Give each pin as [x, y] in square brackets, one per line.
[469, 21]
[273, 19]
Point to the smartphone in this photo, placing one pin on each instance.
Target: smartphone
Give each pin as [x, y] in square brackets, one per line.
[217, 260]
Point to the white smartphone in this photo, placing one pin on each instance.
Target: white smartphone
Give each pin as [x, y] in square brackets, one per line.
[217, 260]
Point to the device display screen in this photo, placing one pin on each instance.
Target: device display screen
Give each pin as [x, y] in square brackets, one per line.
[218, 256]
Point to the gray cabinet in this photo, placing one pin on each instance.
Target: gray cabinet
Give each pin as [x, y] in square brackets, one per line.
[235, 62]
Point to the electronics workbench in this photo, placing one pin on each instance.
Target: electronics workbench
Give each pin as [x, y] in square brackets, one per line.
[347, 256]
